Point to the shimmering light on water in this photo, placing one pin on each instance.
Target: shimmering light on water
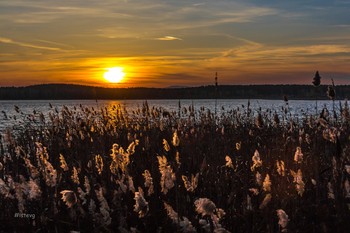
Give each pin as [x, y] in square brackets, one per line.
[297, 108]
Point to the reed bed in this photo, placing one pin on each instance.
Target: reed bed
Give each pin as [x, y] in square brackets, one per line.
[150, 170]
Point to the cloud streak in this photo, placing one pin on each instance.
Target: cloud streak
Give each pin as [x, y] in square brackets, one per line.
[28, 45]
[168, 38]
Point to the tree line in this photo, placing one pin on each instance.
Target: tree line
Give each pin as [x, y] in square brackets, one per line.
[70, 91]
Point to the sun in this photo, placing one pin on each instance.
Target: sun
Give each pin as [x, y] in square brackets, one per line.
[114, 74]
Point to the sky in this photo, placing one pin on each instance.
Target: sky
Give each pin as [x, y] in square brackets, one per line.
[162, 43]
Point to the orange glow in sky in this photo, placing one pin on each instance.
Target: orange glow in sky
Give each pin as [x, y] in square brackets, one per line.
[173, 43]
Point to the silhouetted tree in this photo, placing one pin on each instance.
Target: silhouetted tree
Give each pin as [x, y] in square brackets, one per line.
[317, 79]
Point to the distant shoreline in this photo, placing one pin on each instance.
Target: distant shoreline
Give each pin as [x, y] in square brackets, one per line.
[75, 92]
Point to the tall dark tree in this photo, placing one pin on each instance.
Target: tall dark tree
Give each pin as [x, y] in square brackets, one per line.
[317, 79]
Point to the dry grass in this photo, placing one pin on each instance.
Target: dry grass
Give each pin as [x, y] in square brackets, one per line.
[84, 169]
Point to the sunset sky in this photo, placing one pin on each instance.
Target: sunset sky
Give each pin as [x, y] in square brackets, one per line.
[161, 43]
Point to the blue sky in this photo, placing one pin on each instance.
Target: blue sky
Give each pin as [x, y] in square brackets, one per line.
[163, 43]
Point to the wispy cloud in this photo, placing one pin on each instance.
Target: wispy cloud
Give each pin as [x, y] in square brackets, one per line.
[270, 63]
[54, 43]
[265, 53]
[198, 4]
[23, 44]
[168, 38]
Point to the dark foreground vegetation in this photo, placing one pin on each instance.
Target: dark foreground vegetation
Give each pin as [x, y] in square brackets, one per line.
[66, 91]
[109, 170]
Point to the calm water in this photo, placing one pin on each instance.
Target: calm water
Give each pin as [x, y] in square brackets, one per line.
[296, 107]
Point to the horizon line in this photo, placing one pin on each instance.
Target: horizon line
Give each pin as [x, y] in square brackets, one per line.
[168, 87]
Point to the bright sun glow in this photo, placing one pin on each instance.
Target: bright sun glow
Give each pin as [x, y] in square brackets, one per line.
[114, 75]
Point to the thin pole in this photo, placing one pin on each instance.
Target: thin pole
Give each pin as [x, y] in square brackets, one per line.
[216, 90]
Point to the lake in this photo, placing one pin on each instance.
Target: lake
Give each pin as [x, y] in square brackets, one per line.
[296, 107]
